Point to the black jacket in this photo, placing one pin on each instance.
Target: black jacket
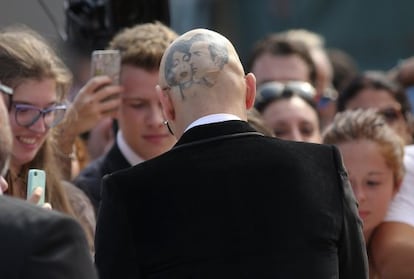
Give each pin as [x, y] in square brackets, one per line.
[228, 203]
[37, 243]
[90, 178]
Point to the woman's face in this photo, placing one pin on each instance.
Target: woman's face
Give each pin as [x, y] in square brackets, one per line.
[28, 140]
[371, 179]
[385, 103]
[293, 119]
[182, 67]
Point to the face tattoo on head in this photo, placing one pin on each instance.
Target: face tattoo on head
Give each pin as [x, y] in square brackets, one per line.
[198, 60]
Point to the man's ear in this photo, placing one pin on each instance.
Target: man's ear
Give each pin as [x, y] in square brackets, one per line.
[166, 103]
[250, 90]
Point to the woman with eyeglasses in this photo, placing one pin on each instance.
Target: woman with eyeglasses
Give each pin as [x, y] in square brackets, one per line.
[373, 89]
[40, 82]
[289, 110]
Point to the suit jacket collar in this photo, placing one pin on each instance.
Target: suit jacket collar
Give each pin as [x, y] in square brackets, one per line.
[128, 153]
[213, 130]
[114, 160]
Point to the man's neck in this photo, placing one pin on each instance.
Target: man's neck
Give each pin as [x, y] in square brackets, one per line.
[212, 118]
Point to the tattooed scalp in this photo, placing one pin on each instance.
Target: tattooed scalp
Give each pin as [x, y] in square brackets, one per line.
[195, 61]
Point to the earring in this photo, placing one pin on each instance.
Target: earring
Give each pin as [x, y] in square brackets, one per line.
[168, 126]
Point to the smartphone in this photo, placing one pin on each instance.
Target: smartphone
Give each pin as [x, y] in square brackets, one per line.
[106, 62]
[36, 178]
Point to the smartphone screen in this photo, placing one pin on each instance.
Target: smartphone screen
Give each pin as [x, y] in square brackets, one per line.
[36, 178]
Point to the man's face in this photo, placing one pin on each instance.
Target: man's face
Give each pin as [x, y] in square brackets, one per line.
[200, 60]
[268, 67]
[140, 115]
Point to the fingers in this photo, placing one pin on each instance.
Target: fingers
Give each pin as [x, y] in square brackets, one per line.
[95, 83]
[109, 105]
[3, 185]
[36, 195]
[107, 93]
[98, 90]
[47, 205]
[97, 99]
[35, 198]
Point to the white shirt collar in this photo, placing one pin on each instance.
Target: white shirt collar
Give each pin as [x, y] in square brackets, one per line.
[212, 118]
[127, 151]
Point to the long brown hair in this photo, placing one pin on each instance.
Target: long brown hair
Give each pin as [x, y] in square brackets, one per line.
[24, 55]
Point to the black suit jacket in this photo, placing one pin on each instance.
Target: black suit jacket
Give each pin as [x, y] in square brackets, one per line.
[37, 243]
[228, 203]
[90, 178]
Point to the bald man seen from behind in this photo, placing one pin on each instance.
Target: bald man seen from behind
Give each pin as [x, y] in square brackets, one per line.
[226, 201]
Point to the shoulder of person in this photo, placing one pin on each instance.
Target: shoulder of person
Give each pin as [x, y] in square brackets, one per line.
[19, 215]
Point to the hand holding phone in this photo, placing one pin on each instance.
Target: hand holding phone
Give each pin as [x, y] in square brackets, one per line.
[106, 62]
[36, 178]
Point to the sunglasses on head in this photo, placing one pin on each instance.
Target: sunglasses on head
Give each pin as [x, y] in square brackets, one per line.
[273, 90]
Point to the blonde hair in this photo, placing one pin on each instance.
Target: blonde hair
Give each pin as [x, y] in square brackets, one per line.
[310, 38]
[24, 55]
[143, 44]
[367, 124]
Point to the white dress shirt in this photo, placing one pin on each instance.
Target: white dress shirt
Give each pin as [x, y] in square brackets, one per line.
[402, 207]
[127, 151]
[213, 118]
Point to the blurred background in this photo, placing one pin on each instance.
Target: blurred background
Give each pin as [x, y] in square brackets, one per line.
[376, 33]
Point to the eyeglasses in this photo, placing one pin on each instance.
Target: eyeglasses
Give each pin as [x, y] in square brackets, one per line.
[27, 115]
[390, 114]
[270, 91]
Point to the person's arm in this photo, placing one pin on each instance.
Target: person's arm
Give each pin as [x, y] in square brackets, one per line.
[87, 109]
[114, 248]
[59, 251]
[392, 250]
[353, 260]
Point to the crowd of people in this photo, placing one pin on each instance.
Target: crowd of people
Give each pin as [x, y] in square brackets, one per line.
[295, 165]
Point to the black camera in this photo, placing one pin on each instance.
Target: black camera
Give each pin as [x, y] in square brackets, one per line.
[90, 24]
